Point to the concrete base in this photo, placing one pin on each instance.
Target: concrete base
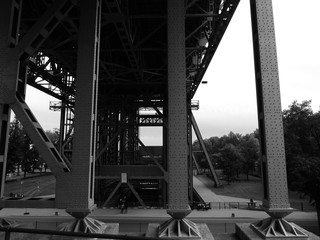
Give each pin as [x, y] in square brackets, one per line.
[152, 231]
[244, 231]
[89, 225]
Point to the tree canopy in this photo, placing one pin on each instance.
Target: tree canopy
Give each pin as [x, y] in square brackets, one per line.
[22, 153]
[302, 138]
[233, 154]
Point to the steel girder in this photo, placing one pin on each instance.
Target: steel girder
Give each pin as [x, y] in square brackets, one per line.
[133, 55]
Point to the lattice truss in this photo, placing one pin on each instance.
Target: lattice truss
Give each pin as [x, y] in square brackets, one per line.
[132, 67]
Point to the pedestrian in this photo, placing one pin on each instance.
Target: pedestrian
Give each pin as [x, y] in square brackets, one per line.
[252, 204]
[123, 205]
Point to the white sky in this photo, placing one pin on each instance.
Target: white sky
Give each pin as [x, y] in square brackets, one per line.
[228, 101]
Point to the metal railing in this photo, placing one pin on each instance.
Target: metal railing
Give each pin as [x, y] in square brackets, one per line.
[300, 206]
[8, 230]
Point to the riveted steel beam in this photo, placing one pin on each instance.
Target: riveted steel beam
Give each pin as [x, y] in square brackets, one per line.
[42, 29]
[37, 134]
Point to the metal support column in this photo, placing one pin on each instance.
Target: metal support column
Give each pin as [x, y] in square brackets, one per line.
[177, 110]
[190, 154]
[178, 187]
[77, 190]
[4, 138]
[275, 199]
[9, 25]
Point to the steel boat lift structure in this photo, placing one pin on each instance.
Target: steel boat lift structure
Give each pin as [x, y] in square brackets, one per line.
[117, 66]
[129, 60]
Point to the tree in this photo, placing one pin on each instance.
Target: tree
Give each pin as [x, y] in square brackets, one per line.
[307, 179]
[15, 147]
[246, 148]
[230, 162]
[249, 148]
[302, 143]
[314, 126]
[297, 127]
[21, 152]
[216, 144]
[301, 135]
[231, 138]
[54, 137]
[34, 160]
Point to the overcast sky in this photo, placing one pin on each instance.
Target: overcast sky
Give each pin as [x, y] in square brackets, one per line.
[228, 101]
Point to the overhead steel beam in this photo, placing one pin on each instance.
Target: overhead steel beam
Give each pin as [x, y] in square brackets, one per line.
[126, 40]
[136, 194]
[112, 194]
[47, 74]
[114, 137]
[44, 27]
[165, 173]
[220, 27]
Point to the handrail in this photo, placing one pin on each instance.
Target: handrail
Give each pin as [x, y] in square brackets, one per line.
[9, 230]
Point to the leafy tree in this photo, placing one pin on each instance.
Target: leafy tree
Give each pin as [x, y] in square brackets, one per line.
[297, 127]
[54, 137]
[230, 162]
[301, 135]
[196, 145]
[34, 158]
[216, 144]
[22, 155]
[314, 126]
[231, 138]
[15, 147]
[307, 179]
[302, 141]
[249, 148]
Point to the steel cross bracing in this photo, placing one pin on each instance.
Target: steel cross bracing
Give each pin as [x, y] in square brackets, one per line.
[133, 71]
[133, 46]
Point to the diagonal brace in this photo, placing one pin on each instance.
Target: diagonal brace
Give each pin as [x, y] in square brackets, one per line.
[37, 135]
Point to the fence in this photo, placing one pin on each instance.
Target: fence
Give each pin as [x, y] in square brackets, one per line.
[300, 206]
[13, 233]
[29, 233]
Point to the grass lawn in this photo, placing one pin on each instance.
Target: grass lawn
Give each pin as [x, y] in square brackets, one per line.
[252, 188]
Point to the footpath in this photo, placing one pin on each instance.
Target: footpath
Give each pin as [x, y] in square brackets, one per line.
[142, 216]
[152, 213]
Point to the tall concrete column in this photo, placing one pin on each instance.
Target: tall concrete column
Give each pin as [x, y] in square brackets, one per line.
[275, 198]
[76, 189]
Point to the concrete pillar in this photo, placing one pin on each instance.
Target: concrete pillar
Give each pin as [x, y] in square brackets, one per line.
[76, 190]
